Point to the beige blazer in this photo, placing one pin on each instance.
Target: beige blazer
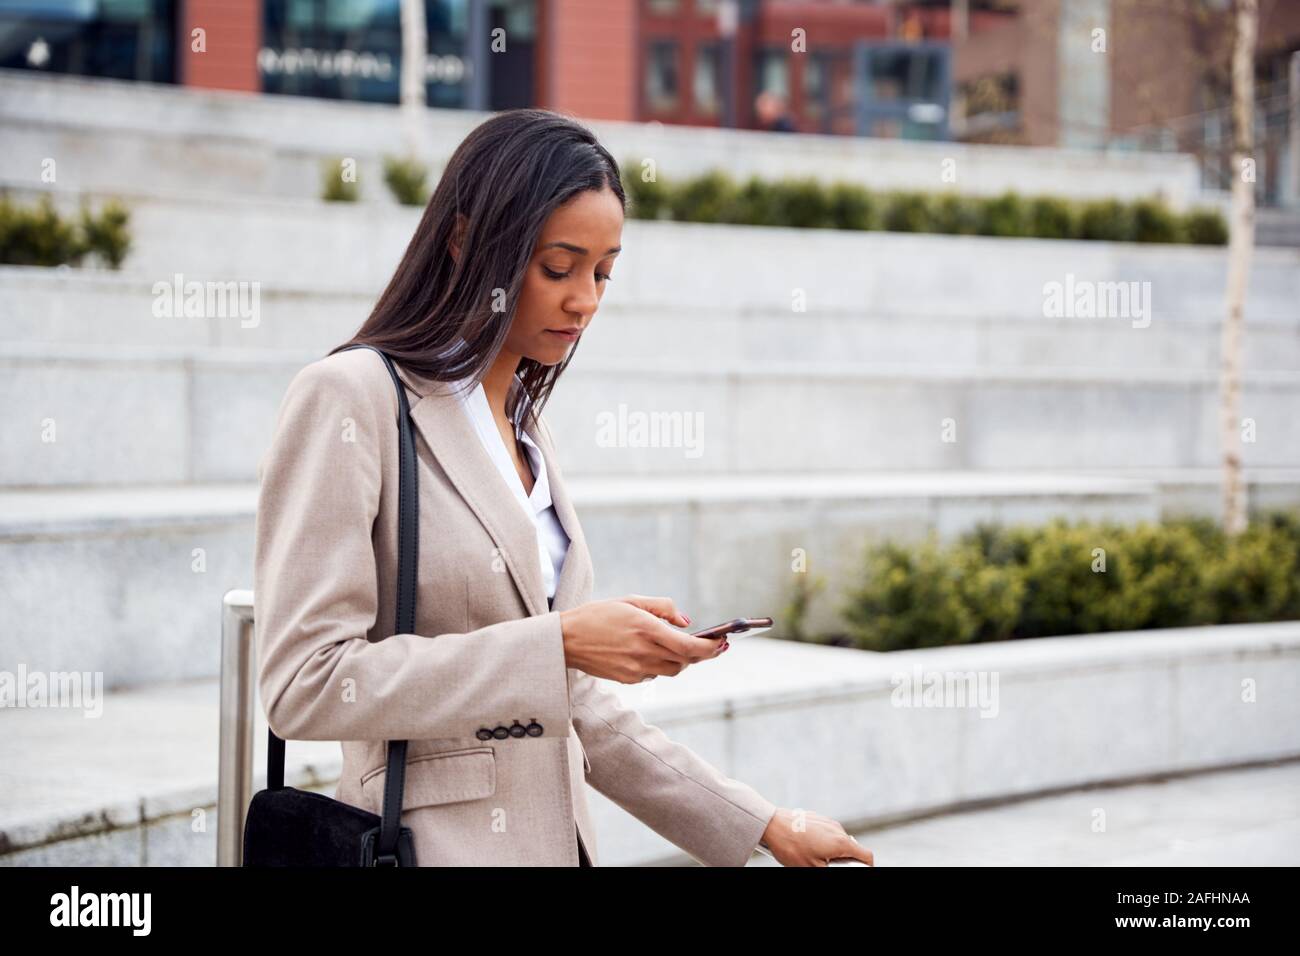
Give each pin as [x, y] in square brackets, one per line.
[502, 734]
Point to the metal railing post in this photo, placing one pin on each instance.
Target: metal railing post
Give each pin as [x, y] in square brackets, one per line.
[238, 701]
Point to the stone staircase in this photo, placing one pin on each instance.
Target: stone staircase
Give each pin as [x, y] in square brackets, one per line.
[821, 368]
[843, 409]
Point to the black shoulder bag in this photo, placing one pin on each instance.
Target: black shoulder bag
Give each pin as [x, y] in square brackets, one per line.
[286, 826]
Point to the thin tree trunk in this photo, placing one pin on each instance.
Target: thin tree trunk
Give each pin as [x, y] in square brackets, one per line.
[415, 46]
[1241, 241]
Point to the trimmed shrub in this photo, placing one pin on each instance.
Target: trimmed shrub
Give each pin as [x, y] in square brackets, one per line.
[1205, 227]
[913, 598]
[1004, 216]
[997, 583]
[1255, 577]
[906, 212]
[753, 204]
[1051, 218]
[334, 188]
[805, 588]
[852, 207]
[1153, 222]
[106, 235]
[993, 593]
[405, 178]
[38, 235]
[801, 203]
[806, 203]
[645, 200]
[1105, 219]
[956, 215]
[708, 198]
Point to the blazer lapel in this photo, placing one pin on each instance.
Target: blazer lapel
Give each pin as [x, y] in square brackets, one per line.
[447, 430]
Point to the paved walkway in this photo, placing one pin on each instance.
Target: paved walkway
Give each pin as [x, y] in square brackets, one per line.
[1227, 818]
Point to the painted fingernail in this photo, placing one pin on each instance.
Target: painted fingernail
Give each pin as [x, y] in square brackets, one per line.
[726, 646]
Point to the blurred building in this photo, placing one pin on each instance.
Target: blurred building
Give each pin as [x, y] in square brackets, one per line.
[1128, 74]
[871, 68]
[1131, 74]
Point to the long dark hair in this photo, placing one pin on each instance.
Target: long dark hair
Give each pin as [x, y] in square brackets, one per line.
[507, 177]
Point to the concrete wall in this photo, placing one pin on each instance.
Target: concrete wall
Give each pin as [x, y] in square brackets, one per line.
[832, 730]
[121, 135]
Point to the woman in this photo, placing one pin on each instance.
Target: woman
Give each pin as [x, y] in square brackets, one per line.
[495, 691]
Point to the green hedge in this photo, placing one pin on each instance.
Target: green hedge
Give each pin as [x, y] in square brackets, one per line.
[807, 203]
[406, 179]
[334, 188]
[38, 235]
[1000, 583]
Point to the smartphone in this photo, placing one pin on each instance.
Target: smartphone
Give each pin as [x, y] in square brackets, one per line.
[741, 625]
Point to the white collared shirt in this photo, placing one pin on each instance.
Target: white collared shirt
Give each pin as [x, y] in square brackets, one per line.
[552, 540]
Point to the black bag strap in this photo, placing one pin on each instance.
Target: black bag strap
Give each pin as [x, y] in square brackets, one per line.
[408, 550]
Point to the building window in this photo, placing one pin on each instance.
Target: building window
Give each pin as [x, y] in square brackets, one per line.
[511, 71]
[774, 73]
[816, 87]
[353, 50]
[706, 86]
[661, 86]
[905, 89]
[906, 75]
[989, 106]
[123, 39]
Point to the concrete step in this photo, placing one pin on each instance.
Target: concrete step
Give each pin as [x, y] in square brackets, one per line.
[98, 307]
[67, 307]
[128, 777]
[122, 415]
[1277, 227]
[701, 266]
[133, 782]
[128, 581]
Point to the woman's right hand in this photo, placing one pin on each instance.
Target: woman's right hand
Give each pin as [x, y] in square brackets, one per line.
[628, 640]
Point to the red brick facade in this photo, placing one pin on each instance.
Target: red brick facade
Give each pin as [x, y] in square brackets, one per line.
[587, 62]
[232, 35]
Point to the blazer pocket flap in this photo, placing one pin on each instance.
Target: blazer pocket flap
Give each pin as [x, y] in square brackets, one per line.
[447, 777]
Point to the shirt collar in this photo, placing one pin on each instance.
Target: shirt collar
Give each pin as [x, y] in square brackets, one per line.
[464, 392]
[474, 401]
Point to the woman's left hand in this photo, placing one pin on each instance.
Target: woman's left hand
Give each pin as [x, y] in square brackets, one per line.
[806, 838]
[666, 608]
